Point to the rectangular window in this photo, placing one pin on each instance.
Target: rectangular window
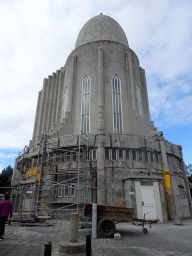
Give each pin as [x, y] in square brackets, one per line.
[106, 154]
[116, 106]
[57, 157]
[72, 190]
[157, 159]
[51, 157]
[62, 158]
[151, 156]
[120, 154]
[127, 154]
[60, 191]
[114, 154]
[68, 156]
[140, 156]
[74, 156]
[85, 102]
[66, 190]
[86, 155]
[133, 155]
[81, 155]
[94, 154]
[146, 156]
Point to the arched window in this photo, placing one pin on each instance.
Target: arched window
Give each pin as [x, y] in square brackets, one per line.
[117, 105]
[139, 103]
[85, 104]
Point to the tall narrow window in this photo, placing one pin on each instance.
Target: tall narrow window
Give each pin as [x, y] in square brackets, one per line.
[85, 104]
[74, 156]
[139, 103]
[94, 157]
[117, 107]
[106, 154]
[127, 154]
[114, 154]
[134, 155]
[120, 154]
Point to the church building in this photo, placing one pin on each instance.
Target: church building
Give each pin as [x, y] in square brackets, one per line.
[93, 139]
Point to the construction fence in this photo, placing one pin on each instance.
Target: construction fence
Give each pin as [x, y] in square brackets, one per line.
[56, 202]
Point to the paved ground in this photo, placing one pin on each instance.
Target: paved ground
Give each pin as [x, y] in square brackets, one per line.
[162, 239]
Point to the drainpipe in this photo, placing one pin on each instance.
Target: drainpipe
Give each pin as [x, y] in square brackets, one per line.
[166, 175]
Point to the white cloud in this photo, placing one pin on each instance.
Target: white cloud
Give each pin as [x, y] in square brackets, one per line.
[9, 27]
[160, 32]
[170, 104]
[37, 41]
[3, 155]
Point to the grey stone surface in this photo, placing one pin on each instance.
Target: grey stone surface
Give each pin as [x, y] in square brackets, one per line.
[101, 27]
[102, 53]
[71, 248]
[161, 240]
[178, 221]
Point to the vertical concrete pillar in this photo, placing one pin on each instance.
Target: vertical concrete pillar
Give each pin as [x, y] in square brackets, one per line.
[72, 76]
[132, 84]
[54, 104]
[48, 104]
[35, 130]
[94, 184]
[101, 192]
[44, 107]
[39, 117]
[100, 127]
[73, 227]
[72, 92]
[73, 246]
[51, 101]
[59, 100]
[94, 221]
[146, 110]
[130, 114]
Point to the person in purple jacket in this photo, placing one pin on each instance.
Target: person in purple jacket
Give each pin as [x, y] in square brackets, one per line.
[5, 210]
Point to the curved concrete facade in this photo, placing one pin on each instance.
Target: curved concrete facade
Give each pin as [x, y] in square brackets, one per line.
[124, 166]
[106, 59]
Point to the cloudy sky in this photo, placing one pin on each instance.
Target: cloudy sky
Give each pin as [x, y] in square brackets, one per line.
[37, 37]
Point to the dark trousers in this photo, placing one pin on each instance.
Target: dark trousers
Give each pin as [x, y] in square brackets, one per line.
[2, 225]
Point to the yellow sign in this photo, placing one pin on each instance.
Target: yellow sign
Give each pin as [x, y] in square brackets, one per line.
[167, 179]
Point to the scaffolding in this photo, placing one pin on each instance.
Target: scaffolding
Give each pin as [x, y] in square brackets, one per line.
[55, 177]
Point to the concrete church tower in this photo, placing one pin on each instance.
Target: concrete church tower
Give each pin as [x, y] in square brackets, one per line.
[101, 88]
[93, 139]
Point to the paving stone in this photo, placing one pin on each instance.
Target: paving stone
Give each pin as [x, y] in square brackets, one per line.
[162, 240]
[128, 252]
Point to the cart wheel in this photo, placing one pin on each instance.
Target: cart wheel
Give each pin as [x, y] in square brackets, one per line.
[106, 228]
[144, 230]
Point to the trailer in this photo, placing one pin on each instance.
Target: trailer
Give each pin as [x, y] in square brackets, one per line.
[109, 216]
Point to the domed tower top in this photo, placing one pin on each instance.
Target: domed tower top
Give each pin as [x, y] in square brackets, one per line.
[101, 27]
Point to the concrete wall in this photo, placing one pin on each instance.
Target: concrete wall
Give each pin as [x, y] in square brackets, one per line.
[61, 93]
[119, 181]
[114, 62]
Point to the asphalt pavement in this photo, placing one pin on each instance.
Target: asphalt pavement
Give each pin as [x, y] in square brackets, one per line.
[162, 239]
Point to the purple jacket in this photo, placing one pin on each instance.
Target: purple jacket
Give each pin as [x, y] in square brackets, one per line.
[5, 208]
